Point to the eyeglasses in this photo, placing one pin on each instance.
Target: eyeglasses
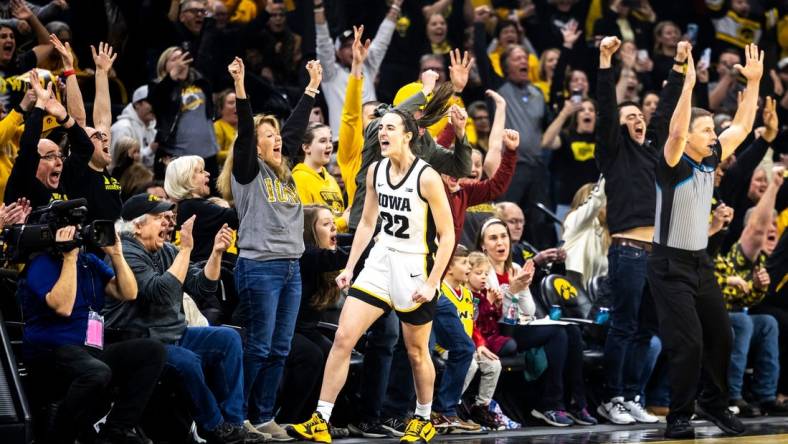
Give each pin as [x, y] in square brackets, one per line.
[98, 135]
[53, 156]
[196, 11]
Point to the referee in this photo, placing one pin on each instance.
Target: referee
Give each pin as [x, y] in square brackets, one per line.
[694, 325]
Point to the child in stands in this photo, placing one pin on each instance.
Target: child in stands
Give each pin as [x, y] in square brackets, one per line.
[485, 361]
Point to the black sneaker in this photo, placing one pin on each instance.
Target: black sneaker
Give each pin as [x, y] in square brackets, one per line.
[394, 427]
[722, 418]
[774, 408]
[680, 428]
[226, 433]
[481, 414]
[338, 432]
[117, 435]
[367, 429]
[746, 410]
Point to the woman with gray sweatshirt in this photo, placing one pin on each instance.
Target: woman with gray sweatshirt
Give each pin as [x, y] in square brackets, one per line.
[270, 241]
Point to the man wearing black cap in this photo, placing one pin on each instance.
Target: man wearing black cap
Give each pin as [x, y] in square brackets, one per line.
[163, 273]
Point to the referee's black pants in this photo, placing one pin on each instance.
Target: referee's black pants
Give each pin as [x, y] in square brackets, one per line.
[694, 327]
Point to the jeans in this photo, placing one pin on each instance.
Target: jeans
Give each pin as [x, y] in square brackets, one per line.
[638, 386]
[88, 373]
[269, 294]
[781, 315]
[450, 334]
[214, 352]
[378, 365]
[627, 342]
[761, 333]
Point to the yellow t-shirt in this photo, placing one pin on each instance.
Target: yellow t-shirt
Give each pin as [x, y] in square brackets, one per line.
[414, 87]
[320, 188]
[225, 137]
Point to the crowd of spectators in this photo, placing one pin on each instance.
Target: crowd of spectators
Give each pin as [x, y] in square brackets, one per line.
[229, 140]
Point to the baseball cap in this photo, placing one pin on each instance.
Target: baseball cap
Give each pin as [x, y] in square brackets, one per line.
[144, 203]
[140, 93]
[343, 38]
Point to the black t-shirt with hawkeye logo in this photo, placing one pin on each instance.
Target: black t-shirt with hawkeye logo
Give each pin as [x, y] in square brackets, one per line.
[574, 165]
[100, 189]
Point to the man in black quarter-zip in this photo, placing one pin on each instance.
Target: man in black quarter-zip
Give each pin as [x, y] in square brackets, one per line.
[694, 325]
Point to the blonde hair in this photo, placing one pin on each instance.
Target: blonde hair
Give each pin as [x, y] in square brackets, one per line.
[282, 171]
[581, 196]
[134, 178]
[122, 147]
[161, 64]
[479, 259]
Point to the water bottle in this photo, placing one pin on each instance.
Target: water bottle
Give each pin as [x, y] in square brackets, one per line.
[512, 313]
[475, 308]
[602, 316]
[555, 312]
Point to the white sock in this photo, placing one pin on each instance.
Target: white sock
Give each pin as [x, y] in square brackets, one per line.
[325, 409]
[423, 410]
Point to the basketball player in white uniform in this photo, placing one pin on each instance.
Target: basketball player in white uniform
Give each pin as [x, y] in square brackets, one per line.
[402, 273]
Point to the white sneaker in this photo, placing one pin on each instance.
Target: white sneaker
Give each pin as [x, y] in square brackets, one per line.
[615, 412]
[637, 412]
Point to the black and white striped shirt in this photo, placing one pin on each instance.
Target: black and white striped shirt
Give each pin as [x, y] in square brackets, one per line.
[684, 194]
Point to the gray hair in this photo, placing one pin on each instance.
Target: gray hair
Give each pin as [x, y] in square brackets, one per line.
[127, 226]
[178, 177]
[749, 213]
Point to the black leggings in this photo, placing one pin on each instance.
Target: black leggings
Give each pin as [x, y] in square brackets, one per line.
[302, 376]
[132, 366]
[563, 346]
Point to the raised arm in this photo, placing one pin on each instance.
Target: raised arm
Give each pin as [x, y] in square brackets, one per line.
[221, 242]
[102, 112]
[607, 111]
[552, 135]
[491, 189]
[745, 114]
[295, 126]
[492, 160]
[380, 44]
[245, 166]
[679, 123]
[754, 234]
[456, 162]
[584, 215]
[439, 7]
[490, 79]
[325, 47]
[74, 103]
[22, 11]
[432, 189]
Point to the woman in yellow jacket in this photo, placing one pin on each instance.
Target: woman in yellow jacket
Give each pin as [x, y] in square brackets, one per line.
[313, 182]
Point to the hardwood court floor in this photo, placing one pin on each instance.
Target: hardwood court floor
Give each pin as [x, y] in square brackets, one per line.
[760, 431]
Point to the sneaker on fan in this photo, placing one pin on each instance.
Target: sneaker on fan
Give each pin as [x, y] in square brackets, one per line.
[637, 412]
[615, 412]
[250, 428]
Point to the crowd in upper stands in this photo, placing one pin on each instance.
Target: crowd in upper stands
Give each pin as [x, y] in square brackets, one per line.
[229, 142]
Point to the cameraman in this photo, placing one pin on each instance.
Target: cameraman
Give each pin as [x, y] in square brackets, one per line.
[38, 168]
[197, 354]
[62, 293]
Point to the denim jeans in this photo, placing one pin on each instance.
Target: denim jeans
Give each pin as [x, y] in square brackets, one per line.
[760, 332]
[378, 363]
[451, 335]
[269, 294]
[627, 342]
[217, 352]
[638, 386]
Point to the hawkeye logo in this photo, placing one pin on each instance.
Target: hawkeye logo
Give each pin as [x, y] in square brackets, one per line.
[111, 184]
[152, 198]
[566, 290]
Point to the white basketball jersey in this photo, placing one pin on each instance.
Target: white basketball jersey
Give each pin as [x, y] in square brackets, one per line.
[406, 222]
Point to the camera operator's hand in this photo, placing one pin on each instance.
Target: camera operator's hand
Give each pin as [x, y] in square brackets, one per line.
[223, 239]
[66, 234]
[187, 241]
[114, 251]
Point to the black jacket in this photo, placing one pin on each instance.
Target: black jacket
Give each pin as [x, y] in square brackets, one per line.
[165, 98]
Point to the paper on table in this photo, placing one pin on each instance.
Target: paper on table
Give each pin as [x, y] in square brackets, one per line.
[547, 321]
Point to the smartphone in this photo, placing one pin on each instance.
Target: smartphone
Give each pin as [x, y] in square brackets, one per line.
[705, 58]
[577, 96]
[692, 32]
[642, 55]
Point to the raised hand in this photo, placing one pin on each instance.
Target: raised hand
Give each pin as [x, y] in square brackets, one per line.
[481, 14]
[360, 49]
[180, 66]
[42, 94]
[689, 75]
[64, 50]
[315, 73]
[683, 50]
[54, 107]
[237, 70]
[187, 241]
[15, 213]
[28, 100]
[223, 239]
[497, 98]
[20, 10]
[511, 139]
[105, 56]
[460, 69]
[429, 79]
[778, 176]
[523, 279]
[770, 119]
[753, 66]
[609, 45]
[571, 33]
[459, 118]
